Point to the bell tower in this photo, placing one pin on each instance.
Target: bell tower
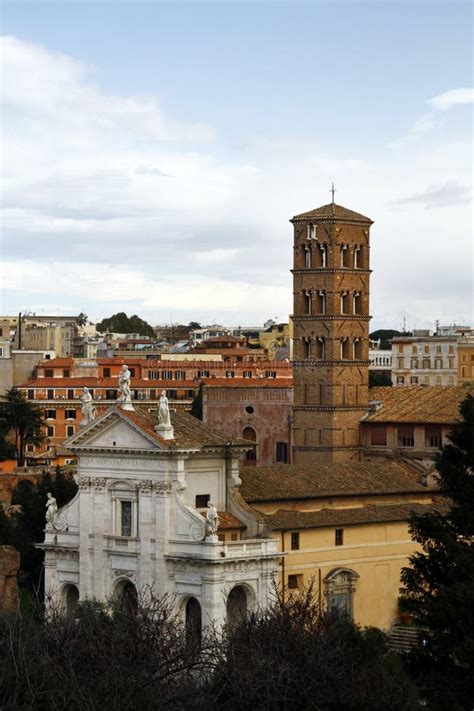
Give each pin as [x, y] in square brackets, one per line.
[331, 274]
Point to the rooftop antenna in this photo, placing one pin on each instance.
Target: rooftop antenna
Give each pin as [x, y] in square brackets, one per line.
[333, 190]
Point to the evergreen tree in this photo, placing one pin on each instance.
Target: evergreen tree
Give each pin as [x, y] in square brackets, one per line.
[121, 323]
[21, 424]
[439, 585]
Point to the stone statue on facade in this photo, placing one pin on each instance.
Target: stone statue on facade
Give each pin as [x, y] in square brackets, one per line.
[164, 427]
[164, 410]
[212, 522]
[88, 409]
[51, 511]
[125, 399]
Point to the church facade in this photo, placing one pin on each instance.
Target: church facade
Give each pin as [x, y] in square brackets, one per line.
[138, 521]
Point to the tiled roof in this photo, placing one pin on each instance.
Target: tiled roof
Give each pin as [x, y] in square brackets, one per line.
[227, 521]
[291, 481]
[332, 212]
[112, 383]
[418, 403]
[55, 362]
[188, 430]
[284, 520]
[281, 382]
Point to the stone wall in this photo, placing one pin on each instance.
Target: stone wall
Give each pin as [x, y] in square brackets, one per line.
[9, 566]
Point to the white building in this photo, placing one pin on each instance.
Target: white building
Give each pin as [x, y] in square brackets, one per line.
[424, 360]
[137, 521]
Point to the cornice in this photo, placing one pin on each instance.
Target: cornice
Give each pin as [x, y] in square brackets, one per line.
[329, 317]
[330, 408]
[332, 270]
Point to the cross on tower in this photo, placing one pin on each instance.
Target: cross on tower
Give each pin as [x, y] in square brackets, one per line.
[333, 190]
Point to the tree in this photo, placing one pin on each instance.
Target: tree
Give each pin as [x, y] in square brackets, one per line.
[121, 323]
[294, 656]
[194, 324]
[21, 423]
[439, 584]
[385, 334]
[379, 379]
[82, 319]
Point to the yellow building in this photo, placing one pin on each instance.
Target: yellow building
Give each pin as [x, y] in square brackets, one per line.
[466, 360]
[275, 337]
[344, 528]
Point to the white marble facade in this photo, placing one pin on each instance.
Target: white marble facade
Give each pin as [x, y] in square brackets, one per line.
[133, 524]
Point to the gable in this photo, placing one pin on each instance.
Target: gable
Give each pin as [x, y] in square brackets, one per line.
[120, 435]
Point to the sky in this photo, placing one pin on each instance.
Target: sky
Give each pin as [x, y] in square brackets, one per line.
[154, 152]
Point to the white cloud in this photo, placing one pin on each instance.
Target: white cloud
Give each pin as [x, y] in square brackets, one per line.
[454, 97]
[111, 204]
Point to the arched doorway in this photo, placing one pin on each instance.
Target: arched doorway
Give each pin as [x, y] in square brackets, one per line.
[193, 621]
[237, 606]
[340, 586]
[127, 595]
[70, 600]
[249, 434]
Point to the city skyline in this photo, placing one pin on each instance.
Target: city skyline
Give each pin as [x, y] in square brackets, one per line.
[153, 168]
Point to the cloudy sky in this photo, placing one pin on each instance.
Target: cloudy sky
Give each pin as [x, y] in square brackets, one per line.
[154, 152]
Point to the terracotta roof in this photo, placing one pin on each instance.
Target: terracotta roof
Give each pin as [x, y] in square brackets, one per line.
[418, 403]
[227, 521]
[280, 382]
[284, 520]
[332, 212]
[111, 383]
[55, 362]
[291, 481]
[188, 430]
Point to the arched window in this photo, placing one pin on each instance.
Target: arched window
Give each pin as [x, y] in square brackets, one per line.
[323, 252]
[357, 256]
[344, 255]
[345, 348]
[70, 600]
[250, 435]
[344, 302]
[126, 594]
[307, 257]
[320, 348]
[357, 349]
[307, 296]
[237, 606]
[340, 586]
[307, 350]
[311, 231]
[356, 303]
[321, 302]
[193, 622]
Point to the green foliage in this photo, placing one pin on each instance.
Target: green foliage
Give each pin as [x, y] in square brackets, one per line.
[379, 379]
[82, 319]
[121, 323]
[193, 325]
[24, 528]
[20, 424]
[385, 334]
[439, 586]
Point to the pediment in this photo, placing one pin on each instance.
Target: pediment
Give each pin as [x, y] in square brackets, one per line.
[112, 431]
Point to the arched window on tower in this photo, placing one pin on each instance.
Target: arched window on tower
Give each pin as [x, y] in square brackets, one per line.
[320, 348]
[323, 255]
[345, 348]
[307, 257]
[307, 350]
[344, 302]
[357, 255]
[357, 349]
[311, 231]
[344, 255]
[356, 303]
[321, 295]
[307, 296]
[193, 622]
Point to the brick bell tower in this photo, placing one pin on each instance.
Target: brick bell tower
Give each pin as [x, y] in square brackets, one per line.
[331, 277]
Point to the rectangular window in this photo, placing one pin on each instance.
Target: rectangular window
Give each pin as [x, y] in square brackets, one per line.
[202, 501]
[70, 414]
[126, 518]
[49, 373]
[70, 394]
[106, 372]
[230, 373]
[247, 373]
[50, 394]
[173, 394]
[70, 430]
[203, 374]
[234, 536]
[50, 414]
[294, 582]
[110, 394]
[406, 436]
[414, 380]
[1, 352]
[66, 373]
[426, 363]
[166, 374]
[50, 431]
[414, 363]
[295, 541]
[339, 537]
[433, 436]
[31, 395]
[180, 375]
[132, 372]
[400, 380]
[153, 374]
[282, 452]
[378, 435]
[152, 394]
